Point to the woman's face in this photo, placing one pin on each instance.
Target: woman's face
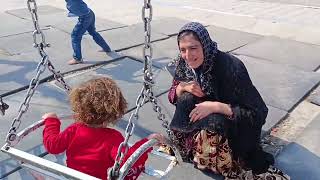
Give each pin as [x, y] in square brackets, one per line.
[191, 51]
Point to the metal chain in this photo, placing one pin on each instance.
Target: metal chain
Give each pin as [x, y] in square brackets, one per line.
[58, 76]
[146, 93]
[12, 134]
[114, 171]
[147, 52]
[41, 67]
[148, 76]
[32, 6]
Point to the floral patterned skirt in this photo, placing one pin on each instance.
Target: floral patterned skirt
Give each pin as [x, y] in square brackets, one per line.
[210, 151]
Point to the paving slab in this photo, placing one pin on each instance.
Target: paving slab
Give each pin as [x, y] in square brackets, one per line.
[128, 75]
[24, 13]
[315, 96]
[281, 86]
[163, 52]
[300, 55]
[15, 72]
[229, 40]
[169, 26]
[20, 69]
[301, 158]
[57, 18]
[60, 42]
[314, 3]
[298, 162]
[130, 36]
[14, 25]
[90, 54]
[23, 43]
[275, 115]
[62, 22]
[46, 99]
[310, 135]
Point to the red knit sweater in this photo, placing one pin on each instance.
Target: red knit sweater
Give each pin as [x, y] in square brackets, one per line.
[89, 150]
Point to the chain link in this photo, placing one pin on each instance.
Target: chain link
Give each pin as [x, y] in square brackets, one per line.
[41, 67]
[58, 76]
[147, 17]
[32, 6]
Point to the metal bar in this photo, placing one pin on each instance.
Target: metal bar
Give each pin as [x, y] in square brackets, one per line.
[160, 154]
[32, 128]
[28, 130]
[45, 165]
[134, 157]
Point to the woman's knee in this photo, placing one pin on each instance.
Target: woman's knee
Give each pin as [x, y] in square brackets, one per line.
[187, 101]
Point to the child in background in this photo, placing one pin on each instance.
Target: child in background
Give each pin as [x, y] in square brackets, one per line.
[91, 146]
[86, 22]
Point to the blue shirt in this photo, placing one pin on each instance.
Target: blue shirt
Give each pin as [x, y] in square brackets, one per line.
[77, 8]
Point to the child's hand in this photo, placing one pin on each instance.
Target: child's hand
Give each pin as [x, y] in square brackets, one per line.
[49, 115]
[159, 137]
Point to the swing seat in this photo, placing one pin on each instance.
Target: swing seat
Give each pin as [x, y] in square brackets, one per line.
[58, 171]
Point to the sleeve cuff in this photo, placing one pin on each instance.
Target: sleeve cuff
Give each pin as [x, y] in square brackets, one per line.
[52, 120]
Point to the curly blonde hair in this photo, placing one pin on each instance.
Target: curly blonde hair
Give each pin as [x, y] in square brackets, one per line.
[98, 102]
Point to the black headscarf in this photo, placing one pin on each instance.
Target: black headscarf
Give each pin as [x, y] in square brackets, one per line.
[210, 49]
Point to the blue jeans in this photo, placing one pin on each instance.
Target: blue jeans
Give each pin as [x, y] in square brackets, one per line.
[86, 23]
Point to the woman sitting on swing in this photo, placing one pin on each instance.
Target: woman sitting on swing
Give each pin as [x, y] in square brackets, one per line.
[219, 113]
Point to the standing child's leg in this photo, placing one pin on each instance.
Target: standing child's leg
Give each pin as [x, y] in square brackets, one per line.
[96, 36]
[76, 37]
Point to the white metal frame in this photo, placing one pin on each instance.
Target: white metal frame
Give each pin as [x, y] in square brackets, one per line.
[61, 172]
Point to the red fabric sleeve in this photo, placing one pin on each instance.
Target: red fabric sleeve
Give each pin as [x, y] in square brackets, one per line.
[54, 141]
[172, 96]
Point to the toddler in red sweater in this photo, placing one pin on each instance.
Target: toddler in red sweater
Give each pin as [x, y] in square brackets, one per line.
[91, 146]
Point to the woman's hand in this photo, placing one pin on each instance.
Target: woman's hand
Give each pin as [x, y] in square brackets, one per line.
[191, 87]
[49, 115]
[205, 108]
[161, 138]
